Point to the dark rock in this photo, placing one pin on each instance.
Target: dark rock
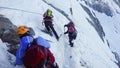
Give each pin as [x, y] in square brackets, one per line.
[117, 58]
[101, 7]
[117, 2]
[8, 33]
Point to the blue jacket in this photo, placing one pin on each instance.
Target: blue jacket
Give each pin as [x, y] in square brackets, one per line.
[25, 43]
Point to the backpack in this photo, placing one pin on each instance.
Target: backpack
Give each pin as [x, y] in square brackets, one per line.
[35, 56]
[71, 29]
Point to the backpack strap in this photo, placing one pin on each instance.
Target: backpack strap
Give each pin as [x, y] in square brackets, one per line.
[43, 48]
[31, 44]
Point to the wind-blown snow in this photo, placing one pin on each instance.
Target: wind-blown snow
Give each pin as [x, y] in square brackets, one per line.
[89, 50]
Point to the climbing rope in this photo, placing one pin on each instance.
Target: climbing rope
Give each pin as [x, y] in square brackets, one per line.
[20, 10]
[71, 10]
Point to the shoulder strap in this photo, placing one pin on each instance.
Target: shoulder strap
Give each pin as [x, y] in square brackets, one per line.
[31, 44]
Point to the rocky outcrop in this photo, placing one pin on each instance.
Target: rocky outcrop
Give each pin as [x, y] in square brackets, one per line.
[101, 6]
[8, 33]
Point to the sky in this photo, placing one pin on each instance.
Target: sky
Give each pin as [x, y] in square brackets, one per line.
[89, 50]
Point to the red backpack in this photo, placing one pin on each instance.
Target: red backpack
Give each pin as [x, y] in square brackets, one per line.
[38, 56]
[71, 29]
[35, 56]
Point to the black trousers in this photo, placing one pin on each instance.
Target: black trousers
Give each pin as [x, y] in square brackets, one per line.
[49, 27]
[70, 38]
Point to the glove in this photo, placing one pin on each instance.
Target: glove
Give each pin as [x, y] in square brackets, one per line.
[19, 66]
[65, 25]
[65, 32]
[56, 65]
[52, 24]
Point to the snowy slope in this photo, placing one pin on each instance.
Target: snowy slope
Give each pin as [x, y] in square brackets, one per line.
[89, 50]
[6, 58]
[111, 25]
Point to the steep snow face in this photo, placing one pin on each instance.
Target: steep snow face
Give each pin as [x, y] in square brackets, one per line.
[89, 50]
[110, 24]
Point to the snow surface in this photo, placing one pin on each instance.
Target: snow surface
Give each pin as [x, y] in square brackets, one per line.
[89, 50]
